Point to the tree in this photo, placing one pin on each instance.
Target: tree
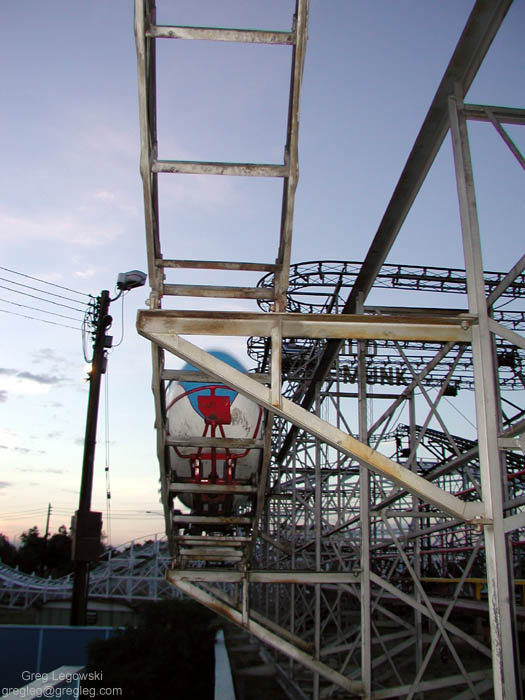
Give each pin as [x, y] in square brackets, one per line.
[8, 553]
[45, 557]
[32, 552]
[59, 553]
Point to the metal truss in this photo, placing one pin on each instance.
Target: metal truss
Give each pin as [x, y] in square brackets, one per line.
[321, 286]
[134, 572]
[379, 554]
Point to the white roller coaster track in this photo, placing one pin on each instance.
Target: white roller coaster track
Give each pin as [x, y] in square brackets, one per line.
[134, 571]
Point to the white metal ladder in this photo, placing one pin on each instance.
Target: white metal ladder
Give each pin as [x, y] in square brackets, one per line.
[230, 548]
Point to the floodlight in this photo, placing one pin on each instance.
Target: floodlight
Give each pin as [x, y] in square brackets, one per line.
[131, 280]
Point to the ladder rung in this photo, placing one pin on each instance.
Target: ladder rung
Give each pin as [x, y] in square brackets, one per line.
[213, 557]
[193, 167]
[208, 540]
[224, 443]
[180, 487]
[195, 290]
[211, 551]
[211, 520]
[251, 36]
[216, 265]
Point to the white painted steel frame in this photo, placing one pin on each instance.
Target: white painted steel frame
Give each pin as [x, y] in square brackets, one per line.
[163, 328]
[147, 32]
[505, 662]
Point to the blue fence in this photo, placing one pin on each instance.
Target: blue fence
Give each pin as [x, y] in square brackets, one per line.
[40, 649]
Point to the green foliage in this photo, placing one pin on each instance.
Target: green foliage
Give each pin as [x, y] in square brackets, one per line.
[36, 554]
[8, 553]
[32, 552]
[59, 553]
[169, 654]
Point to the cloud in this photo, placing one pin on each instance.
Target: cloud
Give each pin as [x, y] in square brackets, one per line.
[27, 450]
[47, 470]
[3, 396]
[86, 274]
[8, 439]
[38, 378]
[5, 484]
[105, 196]
[27, 383]
[47, 354]
[66, 228]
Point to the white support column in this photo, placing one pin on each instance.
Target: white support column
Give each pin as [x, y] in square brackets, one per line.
[503, 653]
[418, 618]
[318, 529]
[364, 515]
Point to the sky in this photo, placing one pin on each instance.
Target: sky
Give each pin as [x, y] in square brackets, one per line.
[71, 203]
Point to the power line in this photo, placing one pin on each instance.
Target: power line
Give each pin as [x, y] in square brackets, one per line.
[52, 284]
[33, 296]
[34, 308]
[23, 512]
[43, 291]
[43, 320]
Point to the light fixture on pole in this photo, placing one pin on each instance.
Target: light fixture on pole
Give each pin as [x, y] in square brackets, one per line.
[87, 524]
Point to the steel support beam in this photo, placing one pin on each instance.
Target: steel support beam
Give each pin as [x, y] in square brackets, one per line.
[504, 661]
[288, 325]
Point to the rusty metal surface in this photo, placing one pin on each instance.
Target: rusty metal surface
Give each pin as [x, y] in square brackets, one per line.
[189, 167]
[505, 115]
[403, 327]
[214, 34]
[216, 265]
[216, 292]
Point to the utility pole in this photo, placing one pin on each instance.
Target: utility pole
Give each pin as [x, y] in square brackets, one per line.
[87, 525]
[47, 521]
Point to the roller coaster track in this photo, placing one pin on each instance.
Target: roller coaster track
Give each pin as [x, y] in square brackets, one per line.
[320, 287]
[133, 572]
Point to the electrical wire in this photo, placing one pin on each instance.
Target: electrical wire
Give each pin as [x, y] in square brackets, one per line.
[108, 487]
[122, 322]
[52, 284]
[33, 318]
[34, 308]
[22, 512]
[460, 413]
[43, 291]
[33, 296]
[89, 318]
